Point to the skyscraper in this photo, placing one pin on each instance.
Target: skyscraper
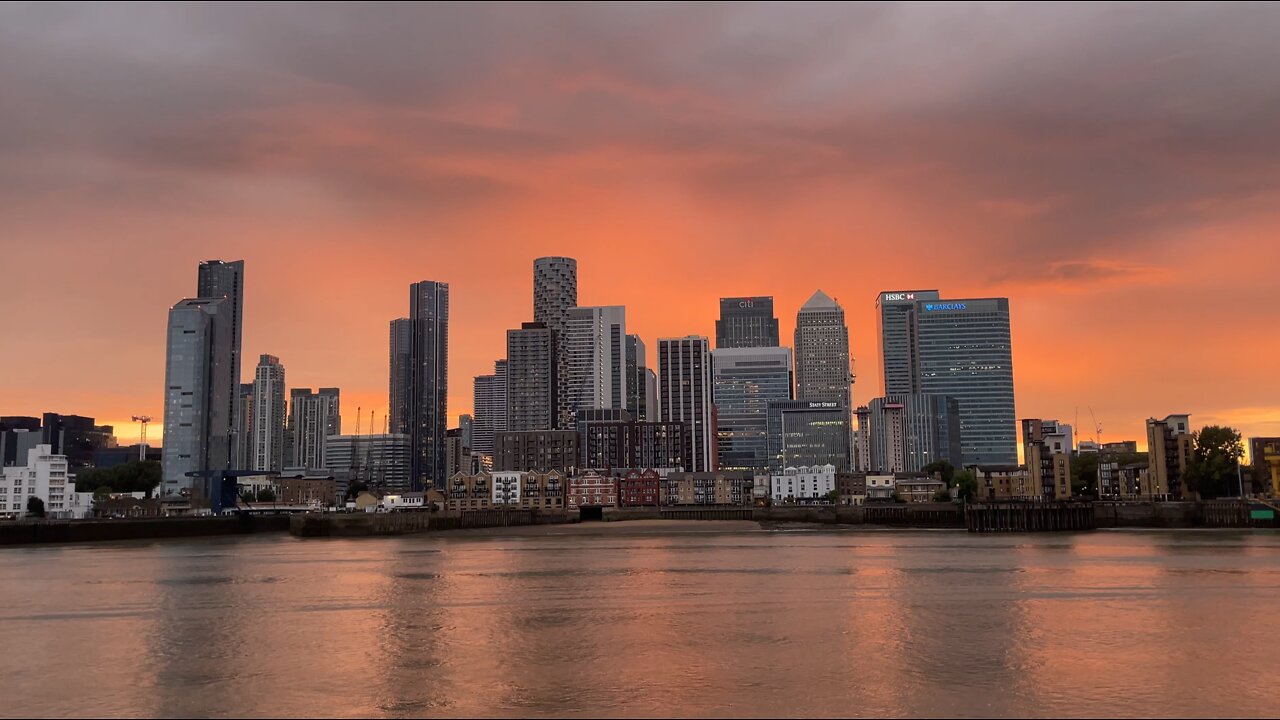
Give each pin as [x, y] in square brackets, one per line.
[76, 437]
[398, 391]
[963, 350]
[490, 401]
[636, 396]
[804, 433]
[555, 290]
[907, 431]
[531, 379]
[896, 332]
[243, 451]
[684, 395]
[220, 279]
[466, 428]
[822, 351]
[744, 381]
[312, 418]
[746, 322]
[596, 339]
[268, 415]
[428, 387]
[198, 394]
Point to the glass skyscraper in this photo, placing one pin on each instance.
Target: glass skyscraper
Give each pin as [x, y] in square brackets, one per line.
[199, 396]
[428, 390]
[897, 338]
[222, 279]
[963, 350]
[807, 433]
[684, 395]
[746, 322]
[744, 381]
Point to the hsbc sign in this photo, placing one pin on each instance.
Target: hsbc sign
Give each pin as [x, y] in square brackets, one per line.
[898, 297]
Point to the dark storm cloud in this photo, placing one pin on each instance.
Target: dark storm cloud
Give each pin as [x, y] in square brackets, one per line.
[1079, 126]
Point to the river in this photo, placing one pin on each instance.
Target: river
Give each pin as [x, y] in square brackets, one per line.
[686, 621]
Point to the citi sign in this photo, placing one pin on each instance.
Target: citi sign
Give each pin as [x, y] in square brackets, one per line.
[896, 297]
[944, 306]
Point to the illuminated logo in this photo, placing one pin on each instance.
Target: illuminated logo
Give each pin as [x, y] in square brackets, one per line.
[746, 303]
[898, 297]
[944, 306]
[823, 404]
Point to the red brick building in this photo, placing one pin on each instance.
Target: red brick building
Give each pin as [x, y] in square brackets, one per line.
[639, 488]
[591, 489]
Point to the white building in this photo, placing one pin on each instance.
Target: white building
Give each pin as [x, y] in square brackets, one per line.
[506, 487]
[803, 484]
[595, 340]
[268, 415]
[44, 476]
[406, 501]
[881, 487]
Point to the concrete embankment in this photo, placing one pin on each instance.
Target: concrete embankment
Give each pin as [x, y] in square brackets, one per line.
[64, 531]
[410, 522]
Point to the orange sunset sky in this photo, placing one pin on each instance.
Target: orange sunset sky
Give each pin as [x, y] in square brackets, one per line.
[1113, 170]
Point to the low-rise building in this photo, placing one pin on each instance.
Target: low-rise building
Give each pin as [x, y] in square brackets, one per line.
[43, 476]
[803, 485]
[638, 488]
[852, 487]
[127, 505]
[469, 492]
[1169, 446]
[542, 491]
[1006, 482]
[505, 490]
[917, 487]
[880, 487]
[314, 491]
[725, 487]
[591, 489]
[404, 501]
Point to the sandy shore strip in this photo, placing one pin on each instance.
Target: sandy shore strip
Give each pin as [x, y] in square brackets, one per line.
[617, 527]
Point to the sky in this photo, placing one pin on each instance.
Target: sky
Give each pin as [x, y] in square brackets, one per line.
[1113, 170]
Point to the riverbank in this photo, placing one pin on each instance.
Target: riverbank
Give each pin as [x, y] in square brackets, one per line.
[75, 531]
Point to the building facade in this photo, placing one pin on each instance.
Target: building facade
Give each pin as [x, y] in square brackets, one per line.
[808, 433]
[225, 280]
[1047, 451]
[744, 381]
[905, 432]
[531, 379]
[731, 488]
[1006, 482]
[428, 391]
[1264, 455]
[378, 461]
[637, 402]
[1169, 447]
[43, 475]
[398, 393]
[639, 488]
[198, 395]
[822, 351]
[684, 396]
[592, 489]
[313, 417]
[243, 447]
[804, 485]
[76, 437]
[268, 439]
[895, 329]
[631, 444]
[490, 402]
[536, 450]
[963, 351]
[746, 322]
[555, 291]
[596, 340]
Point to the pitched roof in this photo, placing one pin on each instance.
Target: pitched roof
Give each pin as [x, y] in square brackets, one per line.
[819, 301]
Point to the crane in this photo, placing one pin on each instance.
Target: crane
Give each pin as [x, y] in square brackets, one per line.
[1097, 428]
[142, 442]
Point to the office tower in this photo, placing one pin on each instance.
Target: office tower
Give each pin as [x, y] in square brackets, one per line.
[1169, 447]
[637, 375]
[746, 322]
[466, 426]
[490, 401]
[896, 332]
[428, 387]
[219, 279]
[1047, 450]
[454, 451]
[268, 415]
[76, 437]
[822, 351]
[312, 418]
[684, 395]
[531, 378]
[907, 431]
[401, 337]
[744, 380]
[596, 340]
[963, 350]
[649, 411]
[804, 433]
[197, 392]
[379, 461]
[555, 290]
[242, 449]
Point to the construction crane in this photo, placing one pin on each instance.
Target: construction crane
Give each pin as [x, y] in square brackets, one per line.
[142, 442]
[1097, 428]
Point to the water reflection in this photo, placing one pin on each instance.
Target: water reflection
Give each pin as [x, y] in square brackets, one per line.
[756, 624]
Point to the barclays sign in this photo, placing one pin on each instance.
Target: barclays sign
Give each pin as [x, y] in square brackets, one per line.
[944, 306]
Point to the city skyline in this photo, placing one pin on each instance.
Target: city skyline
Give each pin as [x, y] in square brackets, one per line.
[1073, 184]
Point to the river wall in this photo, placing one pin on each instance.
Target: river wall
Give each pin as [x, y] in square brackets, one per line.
[29, 532]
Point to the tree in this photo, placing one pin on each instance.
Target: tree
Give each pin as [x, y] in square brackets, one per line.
[943, 495]
[1212, 471]
[35, 507]
[1084, 474]
[943, 468]
[130, 477]
[967, 484]
[833, 497]
[266, 495]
